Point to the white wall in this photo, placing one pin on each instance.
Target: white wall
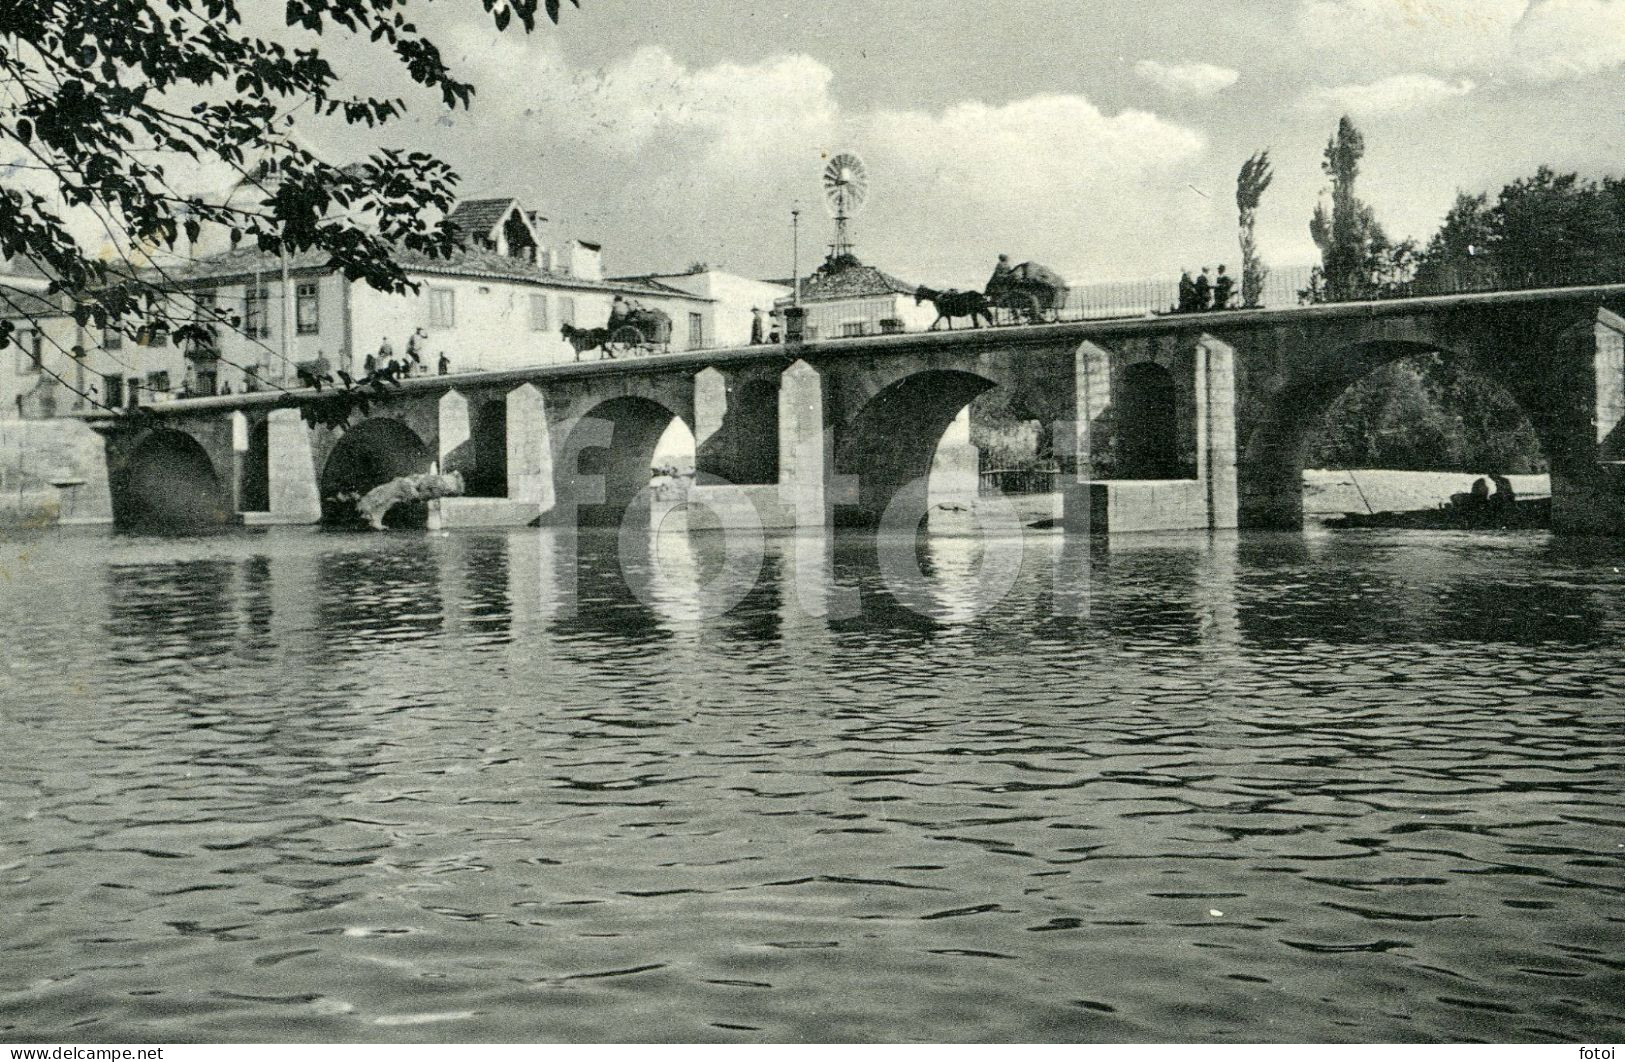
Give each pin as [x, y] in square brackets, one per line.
[827, 320]
[734, 297]
[580, 260]
[492, 327]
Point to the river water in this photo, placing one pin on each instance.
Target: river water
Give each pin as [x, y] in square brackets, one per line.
[295, 785]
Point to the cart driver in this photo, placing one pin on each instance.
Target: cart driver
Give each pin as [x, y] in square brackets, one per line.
[1001, 272]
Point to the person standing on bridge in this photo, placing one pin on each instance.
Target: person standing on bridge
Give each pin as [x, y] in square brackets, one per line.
[386, 355]
[1223, 288]
[1204, 292]
[445, 364]
[414, 351]
[1187, 293]
[758, 327]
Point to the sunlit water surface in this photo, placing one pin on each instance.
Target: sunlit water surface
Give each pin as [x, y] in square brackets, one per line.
[305, 786]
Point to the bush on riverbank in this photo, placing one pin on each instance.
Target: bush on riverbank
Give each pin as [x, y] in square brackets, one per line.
[1426, 413]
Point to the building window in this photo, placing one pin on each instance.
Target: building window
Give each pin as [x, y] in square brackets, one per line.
[853, 328]
[442, 308]
[205, 316]
[696, 331]
[567, 310]
[31, 352]
[152, 334]
[309, 308]
[538, 313]
[112, 390]
[256, 325]
[158, 382]
[112, 339]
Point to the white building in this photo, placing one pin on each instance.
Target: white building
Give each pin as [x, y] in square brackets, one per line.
[500, 303]
[734, 298]
[844, 297]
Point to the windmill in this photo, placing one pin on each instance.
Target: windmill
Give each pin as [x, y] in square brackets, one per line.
[846, 187]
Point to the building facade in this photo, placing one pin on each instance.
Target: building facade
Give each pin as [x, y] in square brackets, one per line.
[500, 302]
[844, 297]
[734, 299]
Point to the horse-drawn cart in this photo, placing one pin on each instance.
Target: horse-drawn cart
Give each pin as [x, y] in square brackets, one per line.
[1028, 292]
[639, 331]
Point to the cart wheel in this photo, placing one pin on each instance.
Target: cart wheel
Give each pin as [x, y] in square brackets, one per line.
[1024, 304]
[626, 337]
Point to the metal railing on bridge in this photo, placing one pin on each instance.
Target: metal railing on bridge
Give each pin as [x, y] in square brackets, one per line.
[1020, 481]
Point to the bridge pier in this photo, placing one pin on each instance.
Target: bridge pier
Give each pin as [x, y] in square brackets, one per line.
[1136, 438]
[1588, 484]
[526, 453]
[291, 492]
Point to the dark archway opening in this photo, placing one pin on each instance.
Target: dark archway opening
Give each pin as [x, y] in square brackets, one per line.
[891, 444]
[626, 465]
[169, 484]
[256, 482]
[489, 476]
[745, 449]
[368, 455]
[1148, 424]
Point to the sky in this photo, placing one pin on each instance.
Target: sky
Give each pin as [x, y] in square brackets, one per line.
[1100, 138]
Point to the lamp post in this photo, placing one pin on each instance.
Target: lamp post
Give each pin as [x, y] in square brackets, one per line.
[795, 316]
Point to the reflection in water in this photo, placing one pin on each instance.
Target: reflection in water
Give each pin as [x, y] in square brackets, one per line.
[315, 786]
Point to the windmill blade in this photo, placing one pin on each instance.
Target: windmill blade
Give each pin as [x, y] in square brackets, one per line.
[846, 184]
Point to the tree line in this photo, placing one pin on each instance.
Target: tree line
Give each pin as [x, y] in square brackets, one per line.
[1549, 229]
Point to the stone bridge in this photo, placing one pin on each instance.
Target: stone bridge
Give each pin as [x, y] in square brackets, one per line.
[1165, 422]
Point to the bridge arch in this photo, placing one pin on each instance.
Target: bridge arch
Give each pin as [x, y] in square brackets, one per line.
[168, 482]
[1275, 445]
[608, 449]
[1148, 418]
[254, 488]
[888, 444]
[743, 449]
[368, 455]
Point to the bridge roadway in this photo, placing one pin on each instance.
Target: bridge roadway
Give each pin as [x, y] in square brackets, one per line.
[1163, 422]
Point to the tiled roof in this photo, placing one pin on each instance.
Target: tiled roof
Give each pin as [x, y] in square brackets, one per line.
[651, 280]
[477, 217]
[486, 265]
[15, 302]
[854, 281]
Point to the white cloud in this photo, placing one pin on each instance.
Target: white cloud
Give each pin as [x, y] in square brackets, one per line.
[1390, 95]
[1187, 79]
[1443, 35]
[1562, 39]
[667, 163]
[1051, 177]
[741, 112]
[1536, 40]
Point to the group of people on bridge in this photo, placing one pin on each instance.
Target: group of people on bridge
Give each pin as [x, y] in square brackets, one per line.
[414, 363]
[1205, 293]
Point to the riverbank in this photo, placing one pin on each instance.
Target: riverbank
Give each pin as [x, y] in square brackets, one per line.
[1330, 492]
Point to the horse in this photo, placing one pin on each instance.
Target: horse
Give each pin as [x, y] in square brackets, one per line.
[954, 303]
[585, 339]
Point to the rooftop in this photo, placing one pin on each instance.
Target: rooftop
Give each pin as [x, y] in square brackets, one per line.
[473, 264]
[477, 217]
[848, 278]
